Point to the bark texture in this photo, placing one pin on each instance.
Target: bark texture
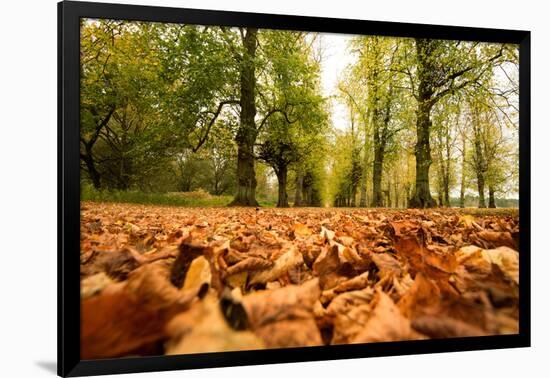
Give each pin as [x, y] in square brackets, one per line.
[247, 133]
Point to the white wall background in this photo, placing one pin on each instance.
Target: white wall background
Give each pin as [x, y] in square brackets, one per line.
[28, 157]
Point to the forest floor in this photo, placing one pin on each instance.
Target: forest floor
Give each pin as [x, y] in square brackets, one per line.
[172, 280]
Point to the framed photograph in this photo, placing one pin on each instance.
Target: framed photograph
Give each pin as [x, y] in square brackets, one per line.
[239, 188]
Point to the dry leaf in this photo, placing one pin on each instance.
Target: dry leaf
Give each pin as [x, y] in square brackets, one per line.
[385, 323]
[284, 317]
[282, 265]
[204, 329]
[301, 230]
[131, 320]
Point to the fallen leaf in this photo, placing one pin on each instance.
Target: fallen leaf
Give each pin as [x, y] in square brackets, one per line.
[445, 327]
[282, 265]
[203, 328]
[385, 323]
[284, 317]
[301, 230]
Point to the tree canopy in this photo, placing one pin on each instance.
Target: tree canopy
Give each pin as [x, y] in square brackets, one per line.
[246, 112]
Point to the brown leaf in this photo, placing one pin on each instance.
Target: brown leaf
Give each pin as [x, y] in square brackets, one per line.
[301, 230]
[505, 258]
[385, 323]
[404, 228]
[493, 239]
[116, 264]
[249, 264]
[348, 313]
[284, 317]
[424, 259]
[198, 275]
[386, 263]
[204, 329]
[187, 253]
[131, 320]
[94, 284]
[282, 265]
[445, 327]
[422, 293]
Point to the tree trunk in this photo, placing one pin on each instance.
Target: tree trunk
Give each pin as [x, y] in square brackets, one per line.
[480, 165]
[396, 193]
[282, 201]
[307, 189]
[481, 189]
[492, 203]
[463, 173]
[88, 146]
[388, 198]
[299, 188]
[364, 178]
[247, 133]
[377, 198]
[246, 177]
[306, 194]
[422, 197]
[440, 188]
[92, 170]
[447, 176]
[315, 198]
[363, 193]
[444, 172]
[446, 197]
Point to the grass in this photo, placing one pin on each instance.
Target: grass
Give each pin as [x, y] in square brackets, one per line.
[503, 211]
[198, 198]
[202, 198]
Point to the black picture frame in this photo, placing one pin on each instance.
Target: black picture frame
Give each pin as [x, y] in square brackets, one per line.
[69, 14]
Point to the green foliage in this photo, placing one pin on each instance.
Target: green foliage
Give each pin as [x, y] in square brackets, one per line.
[163, 110]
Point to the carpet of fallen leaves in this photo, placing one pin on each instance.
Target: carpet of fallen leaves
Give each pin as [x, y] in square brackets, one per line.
[167, 280]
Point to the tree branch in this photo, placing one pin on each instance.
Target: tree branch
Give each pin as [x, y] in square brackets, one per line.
[204, 137]
[270, 113]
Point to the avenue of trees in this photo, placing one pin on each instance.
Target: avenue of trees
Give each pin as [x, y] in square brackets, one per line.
[430, 118]
[241, 112]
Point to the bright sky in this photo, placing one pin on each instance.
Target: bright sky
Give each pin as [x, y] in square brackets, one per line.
[335, 58]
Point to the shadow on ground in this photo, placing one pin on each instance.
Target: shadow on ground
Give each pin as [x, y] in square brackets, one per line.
[50, 366]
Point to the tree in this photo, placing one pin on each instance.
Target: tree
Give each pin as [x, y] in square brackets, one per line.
[343, 170]
[247, 133]
[290, 103]
[149, 91]
[279, 155]
[381, 95]
[98, 96]
[446, 122]
[353, 93]
[493, 157]
[442, 68]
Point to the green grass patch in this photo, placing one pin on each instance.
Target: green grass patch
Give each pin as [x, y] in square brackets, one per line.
[199, 198]
[187, 199]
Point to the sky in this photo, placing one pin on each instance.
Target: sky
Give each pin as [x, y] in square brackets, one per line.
[335, 58]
